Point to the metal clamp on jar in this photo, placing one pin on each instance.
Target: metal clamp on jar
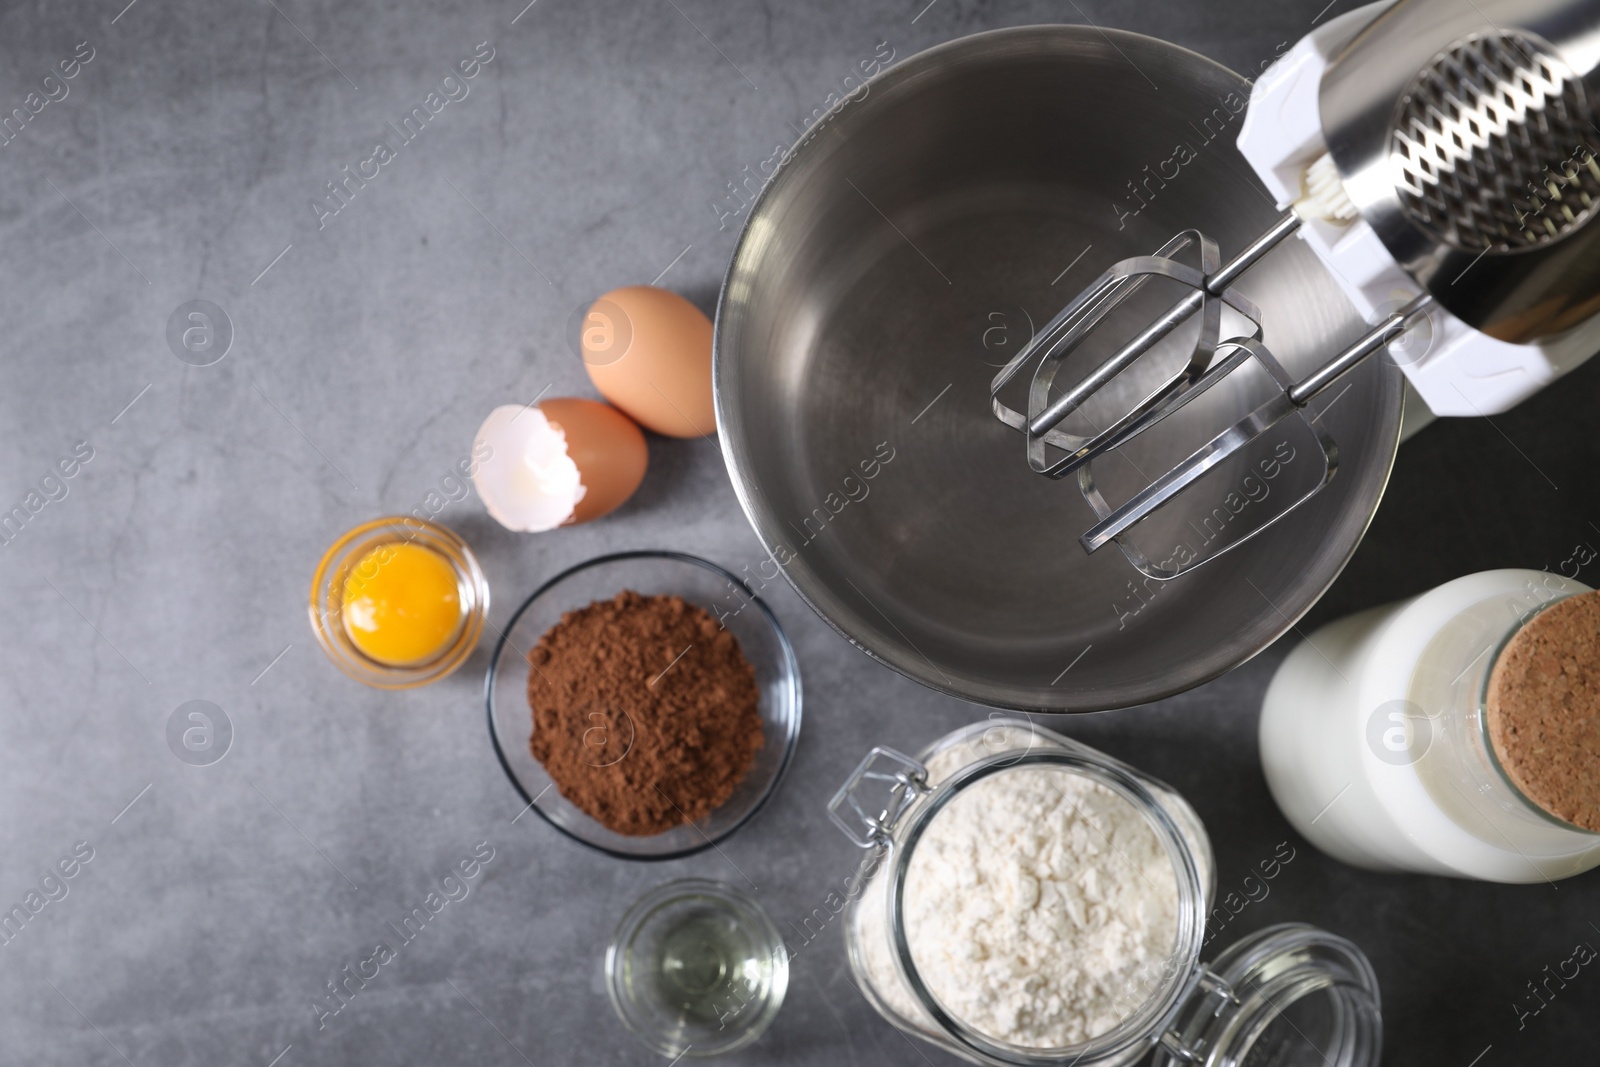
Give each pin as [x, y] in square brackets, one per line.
[1095, 846]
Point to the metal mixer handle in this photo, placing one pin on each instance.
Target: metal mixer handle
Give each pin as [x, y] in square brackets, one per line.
[1464, 134]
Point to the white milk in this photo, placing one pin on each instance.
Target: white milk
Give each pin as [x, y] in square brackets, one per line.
[1373, 743]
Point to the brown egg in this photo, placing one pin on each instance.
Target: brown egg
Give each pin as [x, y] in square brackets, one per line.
[648, 351]
[564, 461]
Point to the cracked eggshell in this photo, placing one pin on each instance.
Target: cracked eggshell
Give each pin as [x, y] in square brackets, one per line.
[648, 351]
[560, 462]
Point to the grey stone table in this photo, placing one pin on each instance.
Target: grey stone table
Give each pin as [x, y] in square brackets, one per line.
[181, 162]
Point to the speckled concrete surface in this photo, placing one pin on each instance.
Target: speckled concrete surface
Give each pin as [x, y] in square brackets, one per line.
[593, 149]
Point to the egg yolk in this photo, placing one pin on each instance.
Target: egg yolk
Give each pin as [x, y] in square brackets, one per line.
[402, 605]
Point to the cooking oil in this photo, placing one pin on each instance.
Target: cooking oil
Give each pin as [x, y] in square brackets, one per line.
[710, 968]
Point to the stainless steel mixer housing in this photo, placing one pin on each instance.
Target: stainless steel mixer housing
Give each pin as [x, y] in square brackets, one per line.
[903, 253]
[1464, 133]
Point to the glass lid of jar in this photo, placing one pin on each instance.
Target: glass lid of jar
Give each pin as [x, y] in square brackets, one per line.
[1285, 996]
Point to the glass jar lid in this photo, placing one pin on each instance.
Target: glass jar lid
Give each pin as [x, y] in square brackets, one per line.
[1285, 996]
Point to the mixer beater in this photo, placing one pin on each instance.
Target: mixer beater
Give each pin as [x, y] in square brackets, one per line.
[1468, 189]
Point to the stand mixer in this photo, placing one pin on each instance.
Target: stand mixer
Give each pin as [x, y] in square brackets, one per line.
[1440, 159]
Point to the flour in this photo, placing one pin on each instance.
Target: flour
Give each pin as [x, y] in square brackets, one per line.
[1040, 906]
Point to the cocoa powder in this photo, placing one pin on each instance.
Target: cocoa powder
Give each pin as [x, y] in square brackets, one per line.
[644, 711]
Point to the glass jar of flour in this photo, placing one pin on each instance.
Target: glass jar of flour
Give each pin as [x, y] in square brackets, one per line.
[1027, 900]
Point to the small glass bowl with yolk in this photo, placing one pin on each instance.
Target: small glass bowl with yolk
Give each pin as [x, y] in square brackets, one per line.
[398, 602]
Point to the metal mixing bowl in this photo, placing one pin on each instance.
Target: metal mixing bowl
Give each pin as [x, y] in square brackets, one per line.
[853, 355]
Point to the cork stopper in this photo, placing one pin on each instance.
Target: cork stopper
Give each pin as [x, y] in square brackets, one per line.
[1543, 710]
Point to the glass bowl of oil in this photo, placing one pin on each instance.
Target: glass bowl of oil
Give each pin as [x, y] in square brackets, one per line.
[398, 602]
[696, 968]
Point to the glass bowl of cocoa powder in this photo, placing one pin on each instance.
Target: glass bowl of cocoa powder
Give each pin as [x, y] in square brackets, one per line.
[645, 704]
